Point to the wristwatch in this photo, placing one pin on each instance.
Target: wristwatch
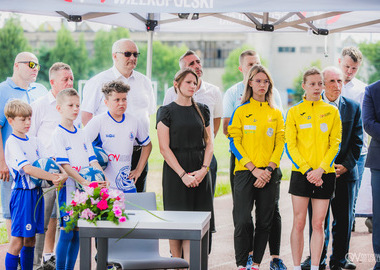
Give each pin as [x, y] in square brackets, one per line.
[269, 168]
[205, 166]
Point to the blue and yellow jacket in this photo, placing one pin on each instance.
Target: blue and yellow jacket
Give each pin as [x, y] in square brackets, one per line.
[256, 134]
[313, 132]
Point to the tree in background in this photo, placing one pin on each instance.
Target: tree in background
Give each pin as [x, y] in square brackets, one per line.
[103, 48]
[164, 64]
[12, 42]
[371, 52]
[297, 83]
[68, 51]
[231, 73]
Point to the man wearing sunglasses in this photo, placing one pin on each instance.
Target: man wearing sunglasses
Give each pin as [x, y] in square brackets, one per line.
[141, 102]
[20, 86]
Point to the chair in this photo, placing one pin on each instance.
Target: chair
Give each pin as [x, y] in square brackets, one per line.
[141, 253]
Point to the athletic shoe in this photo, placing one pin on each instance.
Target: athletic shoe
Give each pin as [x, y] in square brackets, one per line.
[249, 262]
[306, 264]
[277, 264]
[241, 268]
[49, 264]
[349, 265]
[368, 223]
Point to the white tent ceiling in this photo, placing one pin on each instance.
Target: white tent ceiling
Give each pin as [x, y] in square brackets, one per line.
[214, 15]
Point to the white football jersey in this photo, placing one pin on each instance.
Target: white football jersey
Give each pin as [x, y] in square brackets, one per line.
[117, 140]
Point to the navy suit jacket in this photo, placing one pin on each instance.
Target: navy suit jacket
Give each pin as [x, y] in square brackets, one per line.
[352, 138]
[371, 122]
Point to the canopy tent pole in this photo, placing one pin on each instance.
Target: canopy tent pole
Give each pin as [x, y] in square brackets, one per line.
[149, 55]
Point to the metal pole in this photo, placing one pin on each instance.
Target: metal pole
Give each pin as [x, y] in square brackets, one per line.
[149, 55]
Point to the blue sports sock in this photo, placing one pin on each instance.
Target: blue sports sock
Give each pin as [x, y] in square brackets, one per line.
[72, 253]
[11, 261]
[26, 258]
[62, 248]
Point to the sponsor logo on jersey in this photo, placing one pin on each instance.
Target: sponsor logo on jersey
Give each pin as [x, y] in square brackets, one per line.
[85, 147]
[77, 168]
[110, 135]
[28, 227]
[118, 157]
[249, 115]
[68, 148]
[324, 115]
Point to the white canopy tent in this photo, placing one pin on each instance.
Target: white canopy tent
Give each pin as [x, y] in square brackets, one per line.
[320, 17]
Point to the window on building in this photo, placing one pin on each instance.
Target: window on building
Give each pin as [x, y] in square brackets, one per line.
[305, 49]
[286, 49]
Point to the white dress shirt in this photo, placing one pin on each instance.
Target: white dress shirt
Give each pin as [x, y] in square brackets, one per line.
[208, 94]
[355, 90]
[45, 119]
[140, 99]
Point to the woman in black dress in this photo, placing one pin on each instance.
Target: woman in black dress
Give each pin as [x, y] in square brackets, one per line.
[183, 134]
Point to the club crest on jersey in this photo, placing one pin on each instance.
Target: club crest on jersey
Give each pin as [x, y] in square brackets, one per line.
[28, 227]
[131, 136]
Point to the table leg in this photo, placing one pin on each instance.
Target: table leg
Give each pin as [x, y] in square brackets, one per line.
[195, 254]
[205, 250]
[85, 253]
[102, 253]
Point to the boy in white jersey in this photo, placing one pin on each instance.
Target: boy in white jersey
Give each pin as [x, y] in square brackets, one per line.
[26, 214]
[72, 152]
[116, 132]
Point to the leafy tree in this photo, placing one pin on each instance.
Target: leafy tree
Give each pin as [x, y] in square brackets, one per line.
[103, 48]
[371, 52]
[164, 64]
[297, 83]
[68, 51]
[231, 73]
[12, 42]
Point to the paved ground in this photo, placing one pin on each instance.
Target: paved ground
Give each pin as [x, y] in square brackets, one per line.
[222, 255]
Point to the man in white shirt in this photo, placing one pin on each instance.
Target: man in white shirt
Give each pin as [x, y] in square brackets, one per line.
[141, 102]
[45, 119]
[206, 93]
[349, 62]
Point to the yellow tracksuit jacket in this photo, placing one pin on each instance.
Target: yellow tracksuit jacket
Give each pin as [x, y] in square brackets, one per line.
[313, 132]
[256, 134]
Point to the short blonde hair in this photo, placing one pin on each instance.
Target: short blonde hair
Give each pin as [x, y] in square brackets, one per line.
[17, 107]
[68, 92]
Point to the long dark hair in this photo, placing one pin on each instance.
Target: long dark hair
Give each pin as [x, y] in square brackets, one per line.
[179, 77]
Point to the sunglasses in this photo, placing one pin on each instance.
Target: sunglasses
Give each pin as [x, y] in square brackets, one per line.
[129, 54]
[31, 64]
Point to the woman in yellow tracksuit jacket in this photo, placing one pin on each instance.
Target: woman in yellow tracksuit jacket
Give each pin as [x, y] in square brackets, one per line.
[313, 133]
[256, 134]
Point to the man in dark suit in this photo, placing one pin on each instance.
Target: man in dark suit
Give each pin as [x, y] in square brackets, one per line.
[371, 123]
[346, 172]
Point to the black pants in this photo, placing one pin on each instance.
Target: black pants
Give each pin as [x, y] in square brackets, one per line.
[246, 236]
[141, 182]
[213, 172]
[275, 232]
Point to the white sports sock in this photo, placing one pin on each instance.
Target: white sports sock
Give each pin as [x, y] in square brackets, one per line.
[297, 267]
[47, 256]
[314, 267]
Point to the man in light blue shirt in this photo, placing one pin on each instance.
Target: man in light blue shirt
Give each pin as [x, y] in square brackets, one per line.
[20, 86]
[231, 100]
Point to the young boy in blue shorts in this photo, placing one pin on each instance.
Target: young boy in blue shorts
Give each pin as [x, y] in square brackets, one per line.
[118, 132]
[27, 214]
[72, 152]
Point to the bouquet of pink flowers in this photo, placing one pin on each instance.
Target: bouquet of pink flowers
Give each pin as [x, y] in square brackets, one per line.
[95, 204]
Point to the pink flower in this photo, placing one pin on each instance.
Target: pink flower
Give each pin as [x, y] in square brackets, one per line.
[104, 193]
[80, 197]
[117, 211]
[122, 219]
[93, 185]
[89, 191]
[102, 205]
[71, 212]
[73, 203]
[87, 214]
[93, 201]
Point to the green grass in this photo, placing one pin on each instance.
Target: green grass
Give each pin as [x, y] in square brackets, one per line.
[3, 234]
